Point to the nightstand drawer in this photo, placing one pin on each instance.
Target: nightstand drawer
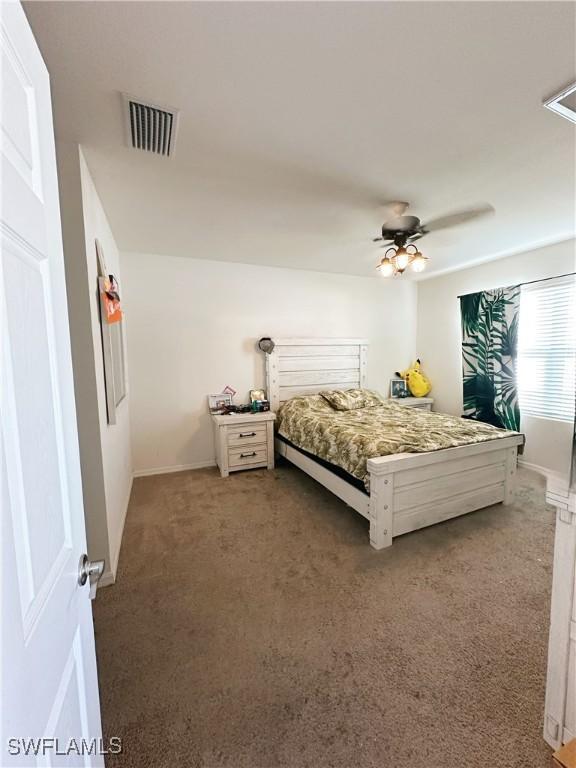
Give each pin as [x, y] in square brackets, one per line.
[245, 434]
[250, 454]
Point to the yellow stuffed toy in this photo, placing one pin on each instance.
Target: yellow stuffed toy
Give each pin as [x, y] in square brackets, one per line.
[418, 384]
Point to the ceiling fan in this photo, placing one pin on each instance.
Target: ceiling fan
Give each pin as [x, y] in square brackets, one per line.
[402, 231]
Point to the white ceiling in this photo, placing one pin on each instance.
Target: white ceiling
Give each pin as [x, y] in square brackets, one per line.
[298, 120]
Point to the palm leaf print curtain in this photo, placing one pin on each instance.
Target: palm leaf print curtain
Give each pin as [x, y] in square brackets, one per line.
[489, 353]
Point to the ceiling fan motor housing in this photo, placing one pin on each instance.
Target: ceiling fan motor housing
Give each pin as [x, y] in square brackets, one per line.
[400, 230]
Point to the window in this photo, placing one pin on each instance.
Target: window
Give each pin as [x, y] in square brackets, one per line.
[547, 349]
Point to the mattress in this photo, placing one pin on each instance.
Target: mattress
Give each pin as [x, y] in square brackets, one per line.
[327, 465]
[347, 439]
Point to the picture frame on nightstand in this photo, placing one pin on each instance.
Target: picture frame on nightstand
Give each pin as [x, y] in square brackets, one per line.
[218, 403]
[398, 389]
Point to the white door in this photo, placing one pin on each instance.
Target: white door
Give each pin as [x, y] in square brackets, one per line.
[49, 686]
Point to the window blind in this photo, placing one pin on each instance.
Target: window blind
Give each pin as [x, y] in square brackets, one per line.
[547, 349]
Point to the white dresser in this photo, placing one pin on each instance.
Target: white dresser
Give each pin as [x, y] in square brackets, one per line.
[244, 441]
[425, 403]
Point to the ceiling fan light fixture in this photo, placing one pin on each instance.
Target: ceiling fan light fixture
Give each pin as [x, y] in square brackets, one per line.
[399, 258]
[386, 267]
[402, 259]
[418, 263]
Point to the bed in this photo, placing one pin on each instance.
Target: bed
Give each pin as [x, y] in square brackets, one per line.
[403, 491]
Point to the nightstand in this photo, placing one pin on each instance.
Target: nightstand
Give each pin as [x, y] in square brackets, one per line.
[425, 403]
[244, 441]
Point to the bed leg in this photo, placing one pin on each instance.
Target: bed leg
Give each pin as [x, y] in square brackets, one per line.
[381, 510]
[509, 482]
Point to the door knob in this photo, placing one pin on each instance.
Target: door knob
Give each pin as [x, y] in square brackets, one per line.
[90, 570]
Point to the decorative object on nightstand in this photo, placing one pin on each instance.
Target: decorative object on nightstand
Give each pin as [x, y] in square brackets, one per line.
[266, 345]
[218, 403]
[244, 441]
[418, 384]
[242, 408]
[423, 403]
[398, 389]
[258, 401]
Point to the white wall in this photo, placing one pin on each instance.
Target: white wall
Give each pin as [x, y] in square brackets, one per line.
[548, 442]
[194, 325]
[105, 452]
[114, 439]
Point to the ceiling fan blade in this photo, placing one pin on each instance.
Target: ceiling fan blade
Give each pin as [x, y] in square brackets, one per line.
[459, 217]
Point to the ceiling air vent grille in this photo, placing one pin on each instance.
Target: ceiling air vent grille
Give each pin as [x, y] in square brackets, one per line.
[151, 127]
[564, 103]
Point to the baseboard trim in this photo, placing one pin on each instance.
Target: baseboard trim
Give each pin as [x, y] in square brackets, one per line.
[109, 576]
[549, 474]
[126, 505]
[174, 468]
[106, 580]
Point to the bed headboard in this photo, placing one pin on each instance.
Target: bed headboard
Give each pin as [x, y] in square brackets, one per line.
[307, 366]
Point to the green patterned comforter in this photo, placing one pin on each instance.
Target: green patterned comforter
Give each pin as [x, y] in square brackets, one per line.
[349, 438]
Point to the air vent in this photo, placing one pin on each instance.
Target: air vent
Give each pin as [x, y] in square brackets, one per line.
[564, 103]
[150, 127]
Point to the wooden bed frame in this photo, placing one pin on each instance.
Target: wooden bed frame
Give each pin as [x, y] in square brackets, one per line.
[407, 490]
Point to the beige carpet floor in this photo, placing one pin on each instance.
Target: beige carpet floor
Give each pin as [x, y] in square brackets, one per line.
[252, 626]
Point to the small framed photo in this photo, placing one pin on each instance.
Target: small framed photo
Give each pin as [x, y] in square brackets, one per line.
[398, 388]
[217, 403]
[257, 394]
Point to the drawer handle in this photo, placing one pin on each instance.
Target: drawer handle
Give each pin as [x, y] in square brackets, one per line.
[247, 434]
[246, 455]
